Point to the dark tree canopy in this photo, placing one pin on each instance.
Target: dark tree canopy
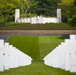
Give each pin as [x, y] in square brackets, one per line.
[45, 7]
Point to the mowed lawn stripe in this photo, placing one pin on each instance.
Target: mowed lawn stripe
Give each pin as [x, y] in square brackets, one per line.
[36, 68]
[27, 44]
[48, 43]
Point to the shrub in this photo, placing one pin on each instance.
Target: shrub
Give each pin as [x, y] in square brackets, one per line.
[28, 15]
[10, 18]
[22, 15]
[1, 21]
[72, 21]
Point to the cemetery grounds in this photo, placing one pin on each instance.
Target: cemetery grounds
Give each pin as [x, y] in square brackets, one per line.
[37, 47]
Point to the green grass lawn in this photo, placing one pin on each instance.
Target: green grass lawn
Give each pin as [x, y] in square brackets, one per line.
[36, 68]
[25, 26]
[37, 47]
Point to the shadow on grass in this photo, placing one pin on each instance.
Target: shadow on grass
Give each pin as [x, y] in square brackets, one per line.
[64, 37]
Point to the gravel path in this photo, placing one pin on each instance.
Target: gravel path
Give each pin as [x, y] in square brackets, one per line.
[36, 32]
[5, 34]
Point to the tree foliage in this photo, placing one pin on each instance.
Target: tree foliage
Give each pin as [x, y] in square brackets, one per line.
[66, 6]
[45, 7]
[68, 11]
[72, 19]
[7, 7]
[40, 7]
[64, 2]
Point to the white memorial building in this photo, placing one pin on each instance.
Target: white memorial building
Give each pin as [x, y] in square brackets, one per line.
[38, 19]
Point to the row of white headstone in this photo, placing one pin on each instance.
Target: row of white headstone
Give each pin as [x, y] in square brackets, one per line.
[63, 56]
[11, 57]
[38, 19]
[24, 20]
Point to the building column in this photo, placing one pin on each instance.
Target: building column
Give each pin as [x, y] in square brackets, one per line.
[59, 15]
[17, 14]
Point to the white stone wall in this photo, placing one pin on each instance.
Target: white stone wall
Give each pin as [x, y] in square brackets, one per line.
[64, 55]
[38, 19]
[11, 57]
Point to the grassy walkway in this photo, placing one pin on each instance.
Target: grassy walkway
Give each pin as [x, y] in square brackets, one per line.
[35, 46]
[36, 68]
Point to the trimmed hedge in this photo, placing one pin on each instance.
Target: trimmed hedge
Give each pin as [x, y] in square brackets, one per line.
[26, 26]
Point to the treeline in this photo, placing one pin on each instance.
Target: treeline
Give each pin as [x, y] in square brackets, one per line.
[68, 11]
[44, 7]
[40, 7]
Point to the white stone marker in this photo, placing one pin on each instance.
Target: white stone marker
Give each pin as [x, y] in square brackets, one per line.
[17, 14]
[73, 37]
[6, 56]
[1, 55]
[59, 15]
[73, 61]
[1, 61]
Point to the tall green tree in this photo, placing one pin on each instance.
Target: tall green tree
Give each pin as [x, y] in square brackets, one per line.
[72, 19]
[24, 5]
[73, 8]
[45, 7]
[7, 7]
[66, 6]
